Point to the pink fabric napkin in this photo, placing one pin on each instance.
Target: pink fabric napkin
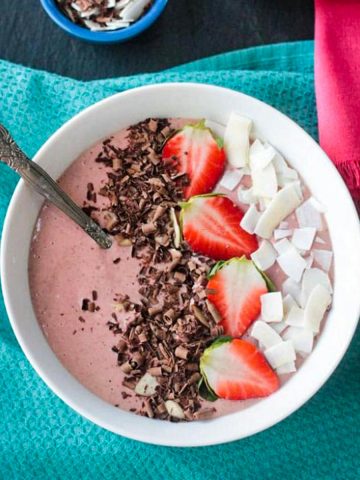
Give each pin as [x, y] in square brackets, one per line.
[337, 82]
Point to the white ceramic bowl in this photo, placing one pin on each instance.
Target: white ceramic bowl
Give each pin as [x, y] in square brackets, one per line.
[213, 103]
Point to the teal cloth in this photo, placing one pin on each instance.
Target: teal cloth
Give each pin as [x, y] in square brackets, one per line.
[42, 438]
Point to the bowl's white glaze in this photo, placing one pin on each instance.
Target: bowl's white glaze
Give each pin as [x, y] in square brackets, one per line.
[213, 103]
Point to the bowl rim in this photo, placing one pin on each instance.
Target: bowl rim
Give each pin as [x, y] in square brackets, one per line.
[283, 409]
[113, 36]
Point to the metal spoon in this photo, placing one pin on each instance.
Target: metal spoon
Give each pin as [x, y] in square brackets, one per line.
[39, 180]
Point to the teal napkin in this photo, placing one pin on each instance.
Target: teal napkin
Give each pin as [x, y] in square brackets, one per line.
[42, 438]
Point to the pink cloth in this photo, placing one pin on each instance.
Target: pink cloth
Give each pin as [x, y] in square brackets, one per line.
[337, 82]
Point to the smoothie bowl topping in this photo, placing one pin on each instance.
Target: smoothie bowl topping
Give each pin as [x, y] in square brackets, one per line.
[218, 280]
[103, 15]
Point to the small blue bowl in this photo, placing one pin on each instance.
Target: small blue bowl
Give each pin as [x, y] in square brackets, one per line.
[114, 36]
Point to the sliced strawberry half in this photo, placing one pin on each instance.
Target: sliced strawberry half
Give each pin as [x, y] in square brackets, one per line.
[195, 151]
[211, 226]
[235, 370]
[235, 288]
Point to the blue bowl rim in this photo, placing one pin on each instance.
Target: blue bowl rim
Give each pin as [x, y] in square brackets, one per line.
[54, 12]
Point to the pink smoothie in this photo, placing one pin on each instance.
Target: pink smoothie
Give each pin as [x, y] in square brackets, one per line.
[66, 266]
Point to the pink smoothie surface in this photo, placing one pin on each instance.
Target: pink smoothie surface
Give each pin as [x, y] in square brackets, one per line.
[66, 266]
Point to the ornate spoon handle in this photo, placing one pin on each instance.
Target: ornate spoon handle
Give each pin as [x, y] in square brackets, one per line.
[39, 180]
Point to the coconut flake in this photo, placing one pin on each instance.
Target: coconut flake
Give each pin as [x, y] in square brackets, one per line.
[264, 181]
[288, 303]
[278, 327]
[231, 179]
[265, 335]
[284, 202]
[236, 140]
[264, 257]
[319, 300]
[133, 10]
[286, 368]
[284, 225]
[292, 263]
[309, 260]
[146, 386]
[246, 195]
[280, 354]
[289, 287]
[116, 24]
[283, 245]
[308, 216]
[323, 258]
[279, 162]
[303, 237]
[260, 155]
[93, 26]
[295, 317]
[272, 307]
[249, 220]
[174, 409]
[317, 205]
[318, 239]
[279, 234]
[301, 338]
[311, 278]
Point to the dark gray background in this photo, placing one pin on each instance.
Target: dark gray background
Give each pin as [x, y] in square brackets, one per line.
[187, 30]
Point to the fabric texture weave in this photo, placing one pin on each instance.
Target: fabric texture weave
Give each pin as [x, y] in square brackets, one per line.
[42, 438]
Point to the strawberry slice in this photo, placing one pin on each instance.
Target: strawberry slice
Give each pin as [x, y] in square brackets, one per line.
[211, 226]
[235, 370]
[235, 288]
[195, 151]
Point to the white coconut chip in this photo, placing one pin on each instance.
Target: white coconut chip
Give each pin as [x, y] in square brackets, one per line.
[288, 303]
[133, 10]
[323, 258]
[246, 195]
[318, 239]
[265, 335]
[286, 368]
[295, 317]
[121, 4]
[115, 24]
[264, 181]
[301, 338]
[174, 409]
[249, 220]
[317, 205]
[272, 307]
[260, 155]
[93, 26]
[280, 354]
[316, 306]
[303, 237]
[283, 245]
[231, 179]
[292, 288]
[284, 202]
[111, 3]
[279, 327]
[87, 13]
[284, 225]
[264, 257]
[309, 260]
[279, 162]
[308, 216]
[292, 263]
[146, 386]
[279, 234]
[237, 140]
[311, 278]
[76, 7]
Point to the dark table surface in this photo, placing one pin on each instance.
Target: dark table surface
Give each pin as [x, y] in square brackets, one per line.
[187, 30]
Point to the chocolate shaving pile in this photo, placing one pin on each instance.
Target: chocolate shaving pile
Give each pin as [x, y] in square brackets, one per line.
[167, 332]
[103, 15]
